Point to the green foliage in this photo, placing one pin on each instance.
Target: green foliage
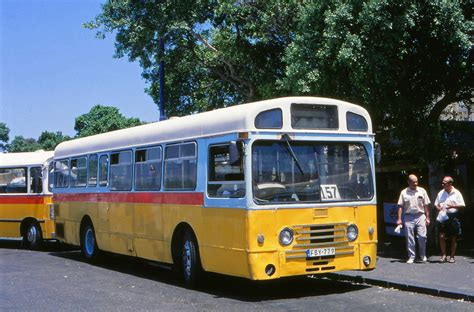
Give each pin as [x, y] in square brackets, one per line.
[217, 53]
[102, 119]
[21, 144]
[405, 61]
[49, 140]
[4, 132]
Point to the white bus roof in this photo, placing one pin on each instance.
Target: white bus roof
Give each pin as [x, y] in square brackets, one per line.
[238, 118]
[24, 159]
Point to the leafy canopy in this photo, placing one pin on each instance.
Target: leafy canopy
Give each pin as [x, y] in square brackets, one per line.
[405, 61]
[102, 119]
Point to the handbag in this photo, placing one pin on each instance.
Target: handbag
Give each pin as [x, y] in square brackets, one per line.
[442, 216]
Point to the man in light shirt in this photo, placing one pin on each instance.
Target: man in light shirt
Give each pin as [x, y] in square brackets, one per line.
[451, 200]
[413, 202]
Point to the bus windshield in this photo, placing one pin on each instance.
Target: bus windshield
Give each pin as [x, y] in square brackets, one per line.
[302, 171]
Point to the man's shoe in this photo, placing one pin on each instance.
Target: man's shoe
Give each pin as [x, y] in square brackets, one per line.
[424, 259]
[410, 261]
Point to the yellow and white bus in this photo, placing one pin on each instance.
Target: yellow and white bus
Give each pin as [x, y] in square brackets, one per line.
[263, 190]
[25, 198]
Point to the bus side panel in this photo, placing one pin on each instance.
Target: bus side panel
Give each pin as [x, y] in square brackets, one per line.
[14, 209]
[121, 223]
[223, 241]
[149, 242]
[71, 214]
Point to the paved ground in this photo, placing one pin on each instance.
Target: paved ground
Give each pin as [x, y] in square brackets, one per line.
[57, 280]
[434, 278]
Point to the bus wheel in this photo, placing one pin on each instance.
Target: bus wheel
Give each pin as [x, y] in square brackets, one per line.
[32, 237]
[191, 266]
[88, 242]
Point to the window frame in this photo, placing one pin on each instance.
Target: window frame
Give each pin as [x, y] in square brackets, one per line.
[110, 184]
[70, 171]
[222, 182]
[165, 161]
[161, 174]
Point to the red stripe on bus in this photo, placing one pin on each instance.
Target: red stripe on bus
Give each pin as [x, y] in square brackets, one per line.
[21, 199]
[138, 198]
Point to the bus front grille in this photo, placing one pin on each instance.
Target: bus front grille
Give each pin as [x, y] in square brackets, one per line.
[323, 237]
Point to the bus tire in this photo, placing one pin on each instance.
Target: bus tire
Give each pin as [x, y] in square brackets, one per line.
[32, 237]
[89, 247]
[190, 264]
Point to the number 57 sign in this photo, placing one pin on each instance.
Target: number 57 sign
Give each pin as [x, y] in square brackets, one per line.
[329, 192]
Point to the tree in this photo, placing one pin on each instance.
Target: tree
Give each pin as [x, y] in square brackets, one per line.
[49, 140]
[20, 144]
[217, 53]
[4, 132]
[102, 119]
[404, 61]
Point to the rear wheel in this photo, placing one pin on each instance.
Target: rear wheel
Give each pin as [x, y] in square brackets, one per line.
[191, 265]
[88, 242]
[32, 238]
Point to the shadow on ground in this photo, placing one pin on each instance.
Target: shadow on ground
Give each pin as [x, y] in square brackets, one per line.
[223, 286]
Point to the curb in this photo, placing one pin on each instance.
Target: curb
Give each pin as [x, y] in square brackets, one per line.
[401, 286]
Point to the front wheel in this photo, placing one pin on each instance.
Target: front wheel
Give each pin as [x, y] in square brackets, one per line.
[88, 242]
[191, 265]
[32, 238]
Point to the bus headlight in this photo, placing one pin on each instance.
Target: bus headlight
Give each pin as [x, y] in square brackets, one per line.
[286, 236]
[352, 232]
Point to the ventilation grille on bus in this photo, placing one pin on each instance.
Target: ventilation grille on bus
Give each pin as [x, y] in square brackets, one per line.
[314, 236]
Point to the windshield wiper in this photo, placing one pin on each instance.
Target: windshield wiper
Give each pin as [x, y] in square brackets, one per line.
[292, 153]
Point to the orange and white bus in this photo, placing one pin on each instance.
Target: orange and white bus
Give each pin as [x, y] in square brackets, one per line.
[263, 190]
[25, 198]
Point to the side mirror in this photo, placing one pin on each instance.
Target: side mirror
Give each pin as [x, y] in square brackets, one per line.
[378, 153]
[235, 152]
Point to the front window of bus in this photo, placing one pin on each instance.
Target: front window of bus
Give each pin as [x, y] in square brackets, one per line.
[297, 172]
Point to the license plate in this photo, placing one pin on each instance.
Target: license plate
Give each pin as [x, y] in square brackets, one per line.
[319, 252]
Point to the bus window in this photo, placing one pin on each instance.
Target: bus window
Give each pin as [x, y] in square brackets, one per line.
[270, 119]
[78, 172]
[103, 170]
[121, 171]
[226, 180]
[315, 116]
[356, 122]
[310, 172]
[148, 169]
[13, 180]
[36, 180]
[180, 166]
[61, 173]
[92, 180]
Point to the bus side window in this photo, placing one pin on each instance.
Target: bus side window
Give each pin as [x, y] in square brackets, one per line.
[226, 180]
[78, 172]
[92, 170]
[181, 166]
[12, 180]
[103, 170]
[121, 171]
[61, 173]
[36, 181]
[148, 169]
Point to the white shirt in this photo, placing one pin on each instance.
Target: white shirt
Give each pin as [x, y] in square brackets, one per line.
[413, 201]
[454, 198]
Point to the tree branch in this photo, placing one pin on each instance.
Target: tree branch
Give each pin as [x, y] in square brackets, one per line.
[438, 108]
[231, 76]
